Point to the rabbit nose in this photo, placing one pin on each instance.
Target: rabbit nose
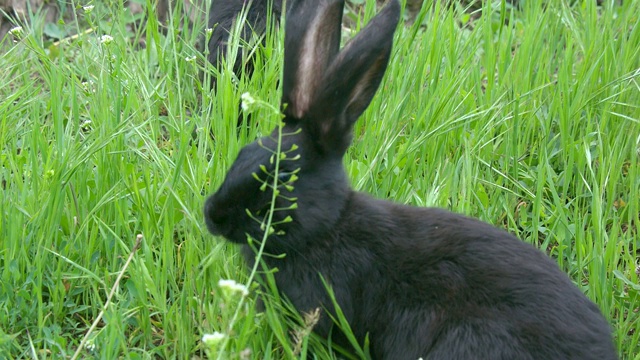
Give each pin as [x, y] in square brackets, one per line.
[214, 218]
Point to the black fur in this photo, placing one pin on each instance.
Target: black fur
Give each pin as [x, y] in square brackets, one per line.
[224, 13]
[421, 282]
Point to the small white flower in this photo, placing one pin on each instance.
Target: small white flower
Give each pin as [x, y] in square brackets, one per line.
[88, 86]
[88, 9]
[91, 346]
[16, 31]
[86, 125]
[212, 340]
[105, 39]
[245, 354]
[247, 101]
[208, 31]
[190, 58]
[230, 287]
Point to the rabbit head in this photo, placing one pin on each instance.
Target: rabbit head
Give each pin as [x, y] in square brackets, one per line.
[325, 90]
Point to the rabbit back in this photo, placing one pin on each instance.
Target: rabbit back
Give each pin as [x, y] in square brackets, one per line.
[425, 282]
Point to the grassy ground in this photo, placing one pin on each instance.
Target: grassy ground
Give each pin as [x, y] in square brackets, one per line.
[529, 120]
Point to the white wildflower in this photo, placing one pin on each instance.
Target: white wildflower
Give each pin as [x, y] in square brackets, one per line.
[105, 39]
[208, 31]
[230, 287]
[190, 58]
[247, 101]
[16, 31]
[88, 86]
[90, 345]
[245, 354]
[88, 9]
[212, 340]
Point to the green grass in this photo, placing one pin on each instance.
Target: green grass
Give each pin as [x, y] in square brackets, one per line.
[529, 120]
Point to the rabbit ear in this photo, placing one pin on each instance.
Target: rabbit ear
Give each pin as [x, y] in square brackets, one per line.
[312, 40]
[352, 80]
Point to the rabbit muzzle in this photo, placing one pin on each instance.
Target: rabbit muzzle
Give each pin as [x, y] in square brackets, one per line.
[215, 219]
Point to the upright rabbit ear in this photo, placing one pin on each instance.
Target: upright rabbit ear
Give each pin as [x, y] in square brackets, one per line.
[352, 80]
[312, 40]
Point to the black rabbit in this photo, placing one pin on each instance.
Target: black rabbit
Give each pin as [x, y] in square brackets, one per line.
[222, 16]
[421, 282]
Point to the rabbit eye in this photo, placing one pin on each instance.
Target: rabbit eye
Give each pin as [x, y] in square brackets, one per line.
[284, 176]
